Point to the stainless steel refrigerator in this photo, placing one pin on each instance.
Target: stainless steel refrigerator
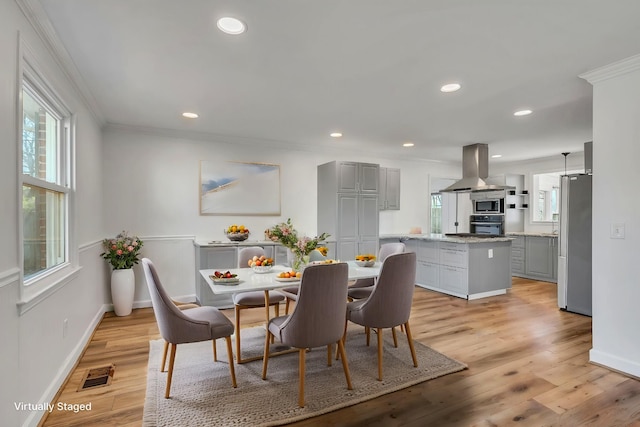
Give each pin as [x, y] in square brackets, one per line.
[574, 252]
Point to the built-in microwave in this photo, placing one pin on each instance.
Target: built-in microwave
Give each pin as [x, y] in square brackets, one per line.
[488, 206]
[488, 202]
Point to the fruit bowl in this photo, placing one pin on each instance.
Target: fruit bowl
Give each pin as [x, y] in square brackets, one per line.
[260, 269]
[237, 237]
[368, 263]
[365, 260]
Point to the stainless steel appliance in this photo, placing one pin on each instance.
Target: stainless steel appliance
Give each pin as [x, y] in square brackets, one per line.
[488, 202]
[574, 256]
[475, 170]
[487, 225]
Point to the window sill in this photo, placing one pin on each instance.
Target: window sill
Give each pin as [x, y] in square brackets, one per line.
[30, 300]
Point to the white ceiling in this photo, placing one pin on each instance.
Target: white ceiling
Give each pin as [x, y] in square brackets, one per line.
[371, 69]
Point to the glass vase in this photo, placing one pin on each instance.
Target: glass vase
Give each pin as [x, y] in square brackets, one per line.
[299, 262]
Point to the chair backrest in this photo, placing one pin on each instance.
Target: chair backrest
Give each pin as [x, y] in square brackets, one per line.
[390, 302]
[174, 326]
[320, 312]
[385, 250]
[245, 254]
[390, 249]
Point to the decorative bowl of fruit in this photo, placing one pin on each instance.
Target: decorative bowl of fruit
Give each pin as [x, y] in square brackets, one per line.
[224, 278]
[261, 264]
[237, 233]
[365, 260]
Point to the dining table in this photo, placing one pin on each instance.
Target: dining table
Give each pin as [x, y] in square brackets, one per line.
[248, 280]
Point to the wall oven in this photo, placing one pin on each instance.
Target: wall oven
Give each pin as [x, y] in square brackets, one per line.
[487, 224]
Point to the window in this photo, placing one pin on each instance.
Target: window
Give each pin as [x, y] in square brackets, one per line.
[436, 213]
[546, 204]
[45, 184]
[44, 188]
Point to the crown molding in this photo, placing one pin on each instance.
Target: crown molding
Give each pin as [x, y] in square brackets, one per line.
[610, 71]
[37, 17]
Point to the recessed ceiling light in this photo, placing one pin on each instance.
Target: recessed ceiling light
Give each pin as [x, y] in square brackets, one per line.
[496, 156]
[450, 87]
[231, 25]
[408, 144]
[335, 135]
[522, 113]
[189, 115]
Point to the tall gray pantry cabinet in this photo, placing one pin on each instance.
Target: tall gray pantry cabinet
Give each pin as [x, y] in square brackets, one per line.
[348, 206]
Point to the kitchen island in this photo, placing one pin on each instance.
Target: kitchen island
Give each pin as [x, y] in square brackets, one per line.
[465, 267]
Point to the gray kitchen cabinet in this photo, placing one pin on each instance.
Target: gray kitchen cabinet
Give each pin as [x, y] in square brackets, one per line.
[389, 189]
[517, 256]
[466, 270]
[540, 262]
[353, 177]
[218, 258]
[348, 207]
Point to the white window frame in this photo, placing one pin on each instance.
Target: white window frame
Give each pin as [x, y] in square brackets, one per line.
[38, 287]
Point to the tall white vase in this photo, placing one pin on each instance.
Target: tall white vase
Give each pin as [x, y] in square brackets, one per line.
[123, 286]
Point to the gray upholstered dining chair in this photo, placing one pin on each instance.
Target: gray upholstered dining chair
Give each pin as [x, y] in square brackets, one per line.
[291, 292]
[362, 288]
[253, 299]
[389, 305]
[317, 320]
[185, 326]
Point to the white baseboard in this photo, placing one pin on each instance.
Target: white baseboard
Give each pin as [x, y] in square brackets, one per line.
[70, 362]
[619, 364]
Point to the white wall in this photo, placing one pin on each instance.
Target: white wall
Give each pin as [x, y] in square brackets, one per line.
[616, 150]
[575, 161]
[35, 357]
[152, 180]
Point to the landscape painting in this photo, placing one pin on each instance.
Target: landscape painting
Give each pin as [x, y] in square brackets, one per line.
[235, 188]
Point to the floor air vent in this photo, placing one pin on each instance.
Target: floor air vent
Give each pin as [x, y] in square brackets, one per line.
[97, 377]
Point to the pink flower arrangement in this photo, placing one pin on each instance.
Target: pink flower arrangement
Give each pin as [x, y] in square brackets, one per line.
[122, 252]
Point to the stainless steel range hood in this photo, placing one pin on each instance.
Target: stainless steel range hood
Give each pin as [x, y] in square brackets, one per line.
[475, 170]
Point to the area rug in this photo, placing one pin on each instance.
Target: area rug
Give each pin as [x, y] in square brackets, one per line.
[201, 392]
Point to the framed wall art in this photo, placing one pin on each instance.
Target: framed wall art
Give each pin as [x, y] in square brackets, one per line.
[236, 188]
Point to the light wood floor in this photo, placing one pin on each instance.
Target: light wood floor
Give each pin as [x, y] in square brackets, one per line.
[528, 365]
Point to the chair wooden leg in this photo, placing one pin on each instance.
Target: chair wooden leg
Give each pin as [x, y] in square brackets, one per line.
[286, 306]
[410, 339]
[329, 354]
[379, 330]
[172, 358]
[395, 338]
[265, 357]
[276, 311]
[344, 338]
[345, 364]
[238, 353]
[164, 356]
[215, 351]
[401, 328]
[302, 355]
[232, 369]
[367, 330]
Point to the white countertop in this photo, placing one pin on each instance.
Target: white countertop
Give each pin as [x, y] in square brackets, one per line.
[444, 238]
[533, 234]
[248, 242]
